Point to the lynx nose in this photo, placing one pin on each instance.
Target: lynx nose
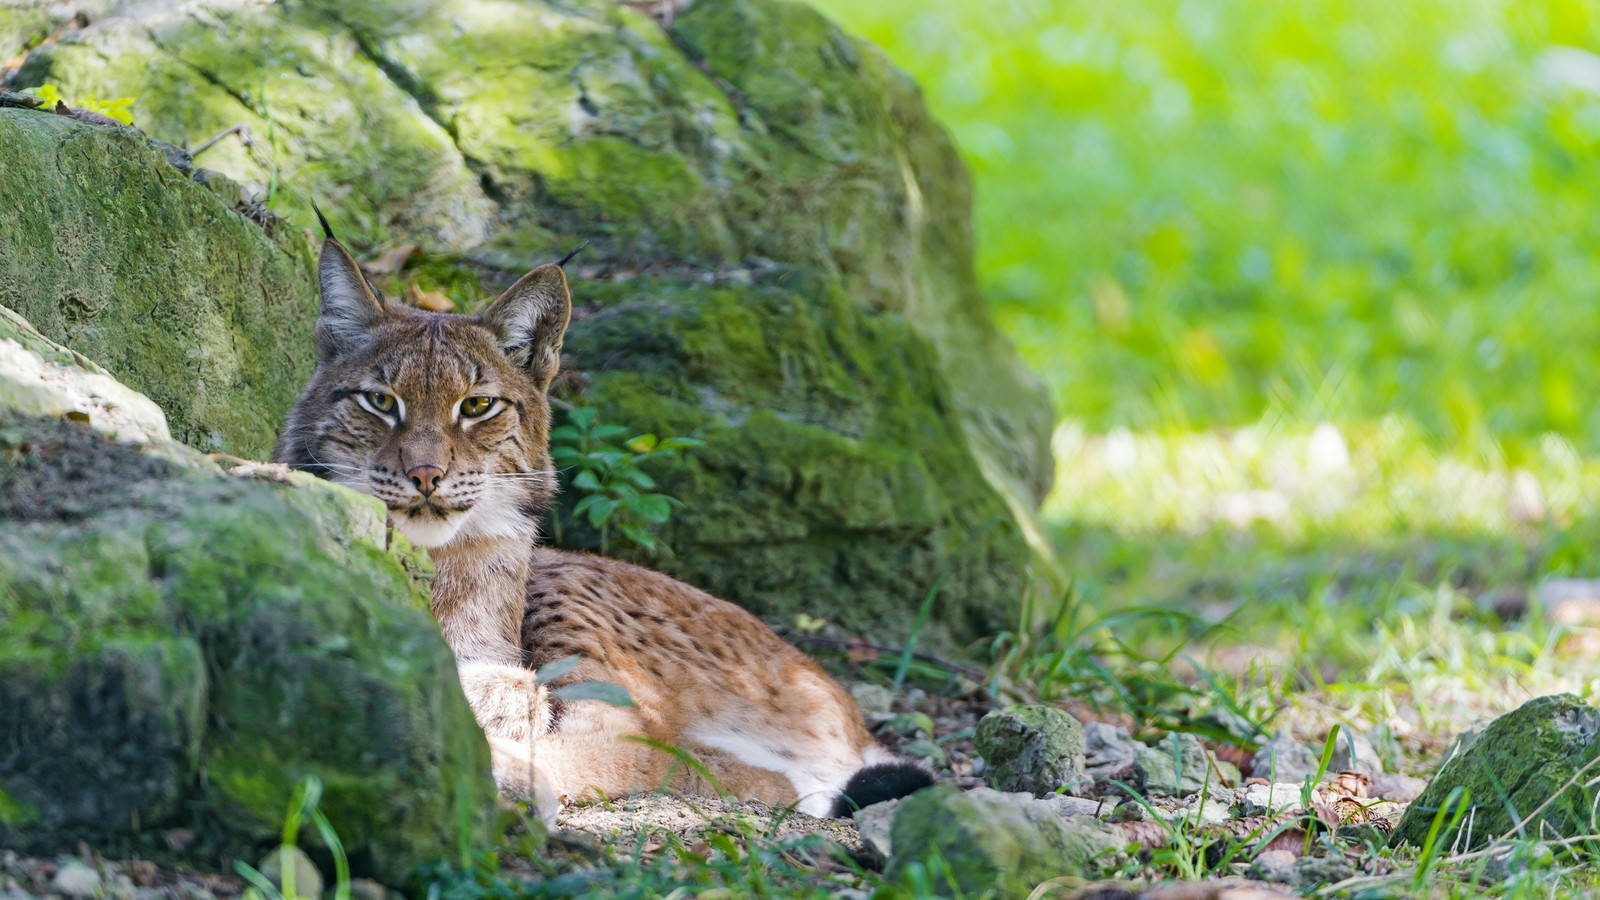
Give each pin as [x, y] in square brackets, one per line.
[426, 478]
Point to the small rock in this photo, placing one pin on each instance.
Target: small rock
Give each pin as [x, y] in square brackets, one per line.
[1031, 747]
[1310, 871]
[76, 879]
[307, 880]
[1207, 811]
[1081, 806]
[1176, 766]
[1399, 788]
[1353, 752]
[1276, 866]
[1283, 760]
[873, 823]
[1268, 799]
[1109, 752]
[994, 844]
[874, 699]
[1227, 772]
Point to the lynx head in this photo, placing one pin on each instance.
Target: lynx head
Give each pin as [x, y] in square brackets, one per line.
[442, 417]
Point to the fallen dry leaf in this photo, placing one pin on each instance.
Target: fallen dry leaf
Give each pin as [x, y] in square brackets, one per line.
[391, 261]
[432, 301]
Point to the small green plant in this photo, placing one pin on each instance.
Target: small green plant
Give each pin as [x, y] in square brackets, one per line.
[616, 494]
[120, 109]
[304, 806]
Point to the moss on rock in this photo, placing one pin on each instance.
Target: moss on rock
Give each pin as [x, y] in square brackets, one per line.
[1524, 774]
[1031, 747]
[986, 844]
[180, 648]
[110, 250]
[804, 497]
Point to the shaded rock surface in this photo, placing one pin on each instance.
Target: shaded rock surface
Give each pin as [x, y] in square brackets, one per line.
[1525, 765]
[781, 259]
[108, 249]
[180, 647]
[990, 842]
[1031, 747]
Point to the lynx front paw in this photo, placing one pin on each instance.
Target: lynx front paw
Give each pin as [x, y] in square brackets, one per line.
[507, 701]
[518, 779]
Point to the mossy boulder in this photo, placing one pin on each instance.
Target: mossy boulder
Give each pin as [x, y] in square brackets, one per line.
[1529, 772]
[781, 238]
[990, 845]
[108, 248]
[804, 498]
[180, 647]
[1031, 747]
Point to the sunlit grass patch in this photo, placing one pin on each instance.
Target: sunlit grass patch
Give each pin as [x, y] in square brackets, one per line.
[1310, 575]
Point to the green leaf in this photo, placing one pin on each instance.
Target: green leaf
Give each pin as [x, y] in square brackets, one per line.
[640, 478]
[607, 432]
[587, 481]
[560, 668]
[642, 444]
[604, 691]
[639, 536]
[601, 510]
[583, 417]
[565, 434]
[679, 443]
[582, 506]
[652, 507]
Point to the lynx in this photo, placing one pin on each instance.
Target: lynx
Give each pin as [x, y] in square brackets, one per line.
[445, 419]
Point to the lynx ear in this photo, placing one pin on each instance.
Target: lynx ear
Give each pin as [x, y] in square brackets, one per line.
[349, 309]
[530, 318]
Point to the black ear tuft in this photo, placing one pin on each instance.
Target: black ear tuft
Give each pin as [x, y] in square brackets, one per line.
[327, 230]
[575, 251]
[880, 782]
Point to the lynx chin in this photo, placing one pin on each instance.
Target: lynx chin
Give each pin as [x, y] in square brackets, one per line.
[445, 419]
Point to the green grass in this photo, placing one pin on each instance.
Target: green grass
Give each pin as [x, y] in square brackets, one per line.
[1327, 210]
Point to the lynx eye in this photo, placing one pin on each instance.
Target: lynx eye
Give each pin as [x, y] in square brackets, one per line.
[380, 401]
[473, 407]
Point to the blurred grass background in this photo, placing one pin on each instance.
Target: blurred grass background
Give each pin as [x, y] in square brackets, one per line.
[1218, 212]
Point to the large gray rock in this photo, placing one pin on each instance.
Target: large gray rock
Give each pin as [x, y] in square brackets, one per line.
[781, 260]
[1528, 773]
[107, 248]
[996, 845]
[181, 647]
[1031, 747]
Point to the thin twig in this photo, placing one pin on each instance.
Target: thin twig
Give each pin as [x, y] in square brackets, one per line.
[240, 130]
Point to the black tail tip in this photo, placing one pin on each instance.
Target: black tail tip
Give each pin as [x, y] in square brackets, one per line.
[880, 782]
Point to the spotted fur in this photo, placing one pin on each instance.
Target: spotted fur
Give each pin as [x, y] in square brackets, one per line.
[705, 677]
